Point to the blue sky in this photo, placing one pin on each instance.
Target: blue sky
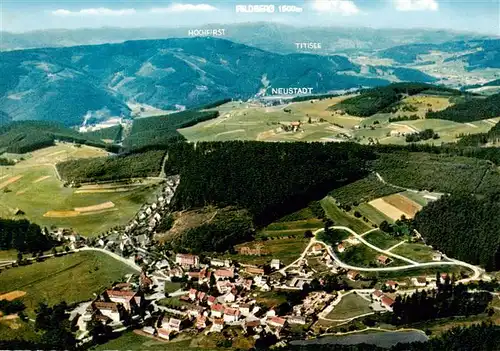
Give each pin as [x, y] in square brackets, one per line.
[477, 16]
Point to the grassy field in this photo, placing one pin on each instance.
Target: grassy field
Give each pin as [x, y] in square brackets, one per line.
[133, 341]
[373, 215]
[71, 278]
[416, 252]
[342, 218]
[363, 190]
[8, 255]
[292, 228]
[37, 175]
[350, 306]
[381, 239]
[17, 329]
[419, 199]
[246, 121]
[359, 255]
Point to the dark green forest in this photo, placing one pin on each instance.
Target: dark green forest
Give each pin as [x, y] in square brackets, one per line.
[268, 179]
[145, 164]
[372, 101]
[23, 236]
[464, 227]
[473, 109]
[26, 136]
[158, 132]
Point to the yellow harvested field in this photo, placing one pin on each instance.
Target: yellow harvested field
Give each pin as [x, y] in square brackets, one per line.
[94, 208]
[41, 179]
[404, 204]
[61, 214]
[12, 295]
[387, 209]
[10, 181]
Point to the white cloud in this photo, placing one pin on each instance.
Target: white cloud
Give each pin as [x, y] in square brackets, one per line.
[416, 5]
[184, 8]
[101, 11]
[343, 7]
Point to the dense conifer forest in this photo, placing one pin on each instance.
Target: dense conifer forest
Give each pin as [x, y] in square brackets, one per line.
[268, 179]
[471, 110]
[463, 227]
[23, 236]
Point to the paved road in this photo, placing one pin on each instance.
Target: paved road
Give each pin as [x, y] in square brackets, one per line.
[452, 262]
[385, 252]
[115, 256]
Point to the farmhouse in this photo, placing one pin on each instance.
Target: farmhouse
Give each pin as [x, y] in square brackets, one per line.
[276, 322]
[377, 295]
[353, 275]
[391, 284]
[383, 260]
[419, 281]
[231, 315]
[275, 264]
[340, 248]
[224, 274]
[386, 302]
[217, 325]
[127, 298]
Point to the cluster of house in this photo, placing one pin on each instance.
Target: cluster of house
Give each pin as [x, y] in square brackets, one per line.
[113, 306]
[150, 214]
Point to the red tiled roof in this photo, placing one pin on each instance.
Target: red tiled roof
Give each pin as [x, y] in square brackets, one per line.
[387, 301]
[277, 320]
[106, 305]
[232, 311]
[378, 293]
[217, 307]
[211, 299]
[224, 273]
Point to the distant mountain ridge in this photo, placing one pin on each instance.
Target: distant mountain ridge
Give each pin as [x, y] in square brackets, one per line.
[268, 36]
[71, 84]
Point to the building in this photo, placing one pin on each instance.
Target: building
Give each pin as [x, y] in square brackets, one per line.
[211, 300]
[419, 281]
[275, 264]
[187, 260]
[217, 310]
[340, 248]
[164, 333]
[296, 320]
[217, 326]
[174, 324]
[192, 294]
[353, 275]
[224, 274]
[386, 302]
[437, 257]
[231, 315]
[391, 284]
[201, 322]
[383, 260]
[149, 330]
[127, 298]
[108, 309]
[276, 322]
[145, 281]
[377, 295]
[229, 297]
[316, 249]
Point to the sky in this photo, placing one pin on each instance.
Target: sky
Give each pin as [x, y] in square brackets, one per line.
[482, 16]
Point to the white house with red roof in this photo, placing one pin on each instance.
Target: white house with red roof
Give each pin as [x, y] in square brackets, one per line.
[187, 260]
[387, 302]
[231, 315]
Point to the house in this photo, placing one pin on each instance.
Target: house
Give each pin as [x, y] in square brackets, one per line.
[231, 315]
[201, 296]
[276, 322]
[195, 311]
[254, 270]
[419, 281]
[275, 264]
[145, 281]
[229, 297]
[383, 260]
[217, 326]
[443, 278]
[201, 322]
[437, 257]
[149, 330]
[108, 309]
[316, 249]
[353, 275]
[244, 309]
[210, 300]
[377, 295]
[164, 333]
[296, 320]
[386, 302]
[187, 260]
[219, 263]
[340, 248]
[391, 284]
[217, 310]
[174, 324]
[192, 294]
[224, 274]
[175, 272]
[223, 286]
[245, 283]
[126, 298]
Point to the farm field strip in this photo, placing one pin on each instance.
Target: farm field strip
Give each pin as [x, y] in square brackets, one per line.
[387, 209]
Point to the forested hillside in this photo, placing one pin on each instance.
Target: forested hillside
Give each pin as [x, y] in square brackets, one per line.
[376, 100]
[145, 164]
[463, 227]
[26, 136]
[159, 131]
[23, 236]
[474, 109]
[268, 179]
[492, 136]
[113, 133]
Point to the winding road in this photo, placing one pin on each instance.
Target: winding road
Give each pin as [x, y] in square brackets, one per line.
[452, 262]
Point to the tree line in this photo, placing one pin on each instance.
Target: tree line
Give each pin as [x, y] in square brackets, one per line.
[470, 110]
[465, 227]
[23, 236]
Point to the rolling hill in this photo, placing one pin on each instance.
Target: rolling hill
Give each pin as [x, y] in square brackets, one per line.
[75, 85]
